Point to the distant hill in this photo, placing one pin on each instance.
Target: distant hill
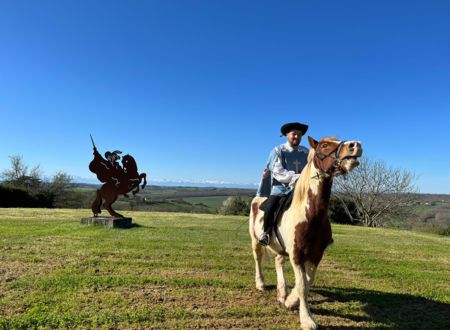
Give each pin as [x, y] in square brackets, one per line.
[180, 191]
[440, 198]
[168, 198]
[181, 183]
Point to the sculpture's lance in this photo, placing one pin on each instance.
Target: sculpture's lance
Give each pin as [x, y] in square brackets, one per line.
[93, 144]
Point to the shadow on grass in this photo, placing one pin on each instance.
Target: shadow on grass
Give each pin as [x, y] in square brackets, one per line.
[270, 287]
[136, 226]
[396, 311]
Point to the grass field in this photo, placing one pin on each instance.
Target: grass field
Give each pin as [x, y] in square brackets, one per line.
[213, 202]
[186, 271]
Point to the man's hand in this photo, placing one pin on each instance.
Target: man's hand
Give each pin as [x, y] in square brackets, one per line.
[294, 180]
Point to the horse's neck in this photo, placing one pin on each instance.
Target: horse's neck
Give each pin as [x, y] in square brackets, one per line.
[131, 168]
[320, 186]
[312, 194]
[318, 194]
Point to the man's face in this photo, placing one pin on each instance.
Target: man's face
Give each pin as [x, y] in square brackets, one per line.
[294, 137]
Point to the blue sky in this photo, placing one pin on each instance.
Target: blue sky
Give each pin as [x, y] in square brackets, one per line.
[197, 90]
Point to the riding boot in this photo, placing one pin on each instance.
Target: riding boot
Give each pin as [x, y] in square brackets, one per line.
[269, 214]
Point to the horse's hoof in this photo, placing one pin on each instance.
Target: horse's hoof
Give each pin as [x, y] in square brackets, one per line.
[292, 305]
[281, 300]
[309, 325]
[281, 295]
[260, 287]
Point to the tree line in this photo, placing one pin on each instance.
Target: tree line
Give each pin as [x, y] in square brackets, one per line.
[26, 187]
[372, 195]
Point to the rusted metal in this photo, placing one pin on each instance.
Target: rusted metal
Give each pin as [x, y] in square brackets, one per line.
[118, 179]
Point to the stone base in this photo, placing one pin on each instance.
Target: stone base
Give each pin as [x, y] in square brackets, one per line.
[109, 222]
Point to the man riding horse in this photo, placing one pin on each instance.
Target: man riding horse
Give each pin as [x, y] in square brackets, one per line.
[118, 180]
[302, 229]
[284, 166]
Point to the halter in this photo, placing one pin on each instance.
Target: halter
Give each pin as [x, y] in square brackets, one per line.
[332, 154]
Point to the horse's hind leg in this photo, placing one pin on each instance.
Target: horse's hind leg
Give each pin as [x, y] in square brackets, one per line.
[96, 205]
[258, 255]
[107, 205]
[281, 284]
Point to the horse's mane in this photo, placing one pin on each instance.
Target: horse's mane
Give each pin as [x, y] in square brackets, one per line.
[303, 182]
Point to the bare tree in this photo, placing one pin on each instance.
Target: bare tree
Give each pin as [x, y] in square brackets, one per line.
[19, 176]
[18, 169]
[378, 192]
[54, 193]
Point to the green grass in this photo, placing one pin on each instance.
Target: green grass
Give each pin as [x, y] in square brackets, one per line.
[188, 271]
[213, 202]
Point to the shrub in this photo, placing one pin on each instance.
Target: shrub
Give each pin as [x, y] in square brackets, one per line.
[235, 205]
[339, 214]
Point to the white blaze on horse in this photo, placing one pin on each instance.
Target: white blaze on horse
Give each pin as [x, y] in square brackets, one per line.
[304, 226]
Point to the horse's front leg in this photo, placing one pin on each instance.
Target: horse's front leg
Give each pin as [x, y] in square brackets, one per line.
[310, 272]
[258, 254]
[302, 288]
[281, 284]
[292, 300]
[143, 176]
[136, 189]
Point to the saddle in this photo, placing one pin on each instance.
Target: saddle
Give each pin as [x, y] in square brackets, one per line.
[284, 203]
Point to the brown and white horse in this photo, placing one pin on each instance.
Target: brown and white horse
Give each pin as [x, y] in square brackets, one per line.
[304, 225]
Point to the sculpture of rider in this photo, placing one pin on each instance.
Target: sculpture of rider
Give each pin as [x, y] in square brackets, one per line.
[113, 158]
[284, 166]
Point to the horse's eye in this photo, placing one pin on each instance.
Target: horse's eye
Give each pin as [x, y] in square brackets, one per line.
[325, 145]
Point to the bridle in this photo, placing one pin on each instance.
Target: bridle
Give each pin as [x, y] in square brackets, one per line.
[334, 154]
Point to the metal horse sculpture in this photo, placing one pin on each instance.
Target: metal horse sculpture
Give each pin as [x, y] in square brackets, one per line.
[118, 180]
[304, 230]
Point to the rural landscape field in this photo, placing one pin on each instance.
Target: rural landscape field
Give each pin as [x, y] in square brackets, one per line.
[190, 271]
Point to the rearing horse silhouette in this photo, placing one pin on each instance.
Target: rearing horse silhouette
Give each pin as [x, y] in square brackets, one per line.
[118, 180]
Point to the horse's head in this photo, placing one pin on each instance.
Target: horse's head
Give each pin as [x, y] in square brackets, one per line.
[333, 157]
[129, 164]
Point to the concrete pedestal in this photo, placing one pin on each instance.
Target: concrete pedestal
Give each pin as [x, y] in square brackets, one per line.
[109, 222]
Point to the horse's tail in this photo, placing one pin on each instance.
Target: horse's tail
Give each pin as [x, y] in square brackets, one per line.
[252, 218]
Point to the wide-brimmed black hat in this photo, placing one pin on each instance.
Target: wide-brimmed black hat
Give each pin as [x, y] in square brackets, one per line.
[286, 128]
[115, 153]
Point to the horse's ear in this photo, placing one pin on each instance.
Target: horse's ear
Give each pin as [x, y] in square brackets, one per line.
[313, 143]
